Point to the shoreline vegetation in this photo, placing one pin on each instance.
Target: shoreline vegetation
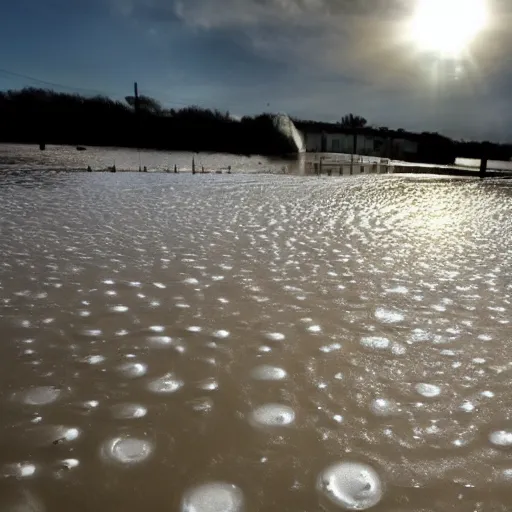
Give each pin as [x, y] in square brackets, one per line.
[42, 116]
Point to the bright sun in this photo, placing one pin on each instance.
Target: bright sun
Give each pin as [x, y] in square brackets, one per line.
[448, 26]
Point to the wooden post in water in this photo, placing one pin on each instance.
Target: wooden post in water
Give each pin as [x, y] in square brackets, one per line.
[175, 169]
[193, 165]
[483, 167]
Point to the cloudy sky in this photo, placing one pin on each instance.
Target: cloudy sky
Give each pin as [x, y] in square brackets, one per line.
[316, 59]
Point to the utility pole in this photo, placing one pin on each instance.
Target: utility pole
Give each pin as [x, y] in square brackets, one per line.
[136, 106]
[136, 94]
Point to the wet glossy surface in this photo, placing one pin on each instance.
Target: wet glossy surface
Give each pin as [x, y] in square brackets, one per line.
[254, 342]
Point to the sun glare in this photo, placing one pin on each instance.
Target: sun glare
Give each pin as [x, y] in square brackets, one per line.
[448, 27]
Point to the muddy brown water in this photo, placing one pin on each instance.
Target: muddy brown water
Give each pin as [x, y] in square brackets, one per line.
[254, 342]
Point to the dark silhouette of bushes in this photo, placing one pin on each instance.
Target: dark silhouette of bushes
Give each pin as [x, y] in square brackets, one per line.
[39, 115]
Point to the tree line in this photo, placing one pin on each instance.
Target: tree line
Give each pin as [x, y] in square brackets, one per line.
[38, 116]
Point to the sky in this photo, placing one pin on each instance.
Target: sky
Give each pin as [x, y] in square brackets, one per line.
[313, 59]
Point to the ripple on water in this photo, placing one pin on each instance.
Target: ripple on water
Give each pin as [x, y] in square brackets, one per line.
[350, 485]
[501, 438]
[126, 450]
[132, 370]
[168, 383]
[213, 497]
[268, 372]
[273, 415]
[42, 395]
[128, 411]
[428, 390]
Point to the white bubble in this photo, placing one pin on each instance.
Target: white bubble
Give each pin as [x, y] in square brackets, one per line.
[273, 415]
[327, 349]
[388, 316]
[221, 334]
[194, 328]
[384, 407]
[350, 485]
[160, 341]
[42, 395]
[191, 280]
[127, 450]
[501, 438]
[268, 372]
[119, 309]
[428, 390]
[157, 328]
[168, 383]
[375, 342]
[467, 406]
[19, 470]
[275, 336]
[96, 359]
[55, 434]
[208, 384]
[314, 329]
[92, 332]
[203, 405]
[132, 370]
[159, 285]
[69, 463]
[128, 411]
[213, 497]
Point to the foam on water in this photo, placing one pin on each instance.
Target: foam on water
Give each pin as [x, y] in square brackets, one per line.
[501, 438]
[273, 415]
[132, 370]
[168, 383]
[428, 390]
[213, 497]
[350, 485]
[19, 470]
[128, 411]
[268, 372]
[42, 395]
[126, 450]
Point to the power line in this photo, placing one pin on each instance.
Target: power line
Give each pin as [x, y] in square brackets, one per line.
[51, 84]
[182, 102]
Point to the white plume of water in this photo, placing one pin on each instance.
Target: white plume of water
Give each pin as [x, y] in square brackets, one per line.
[285, 125]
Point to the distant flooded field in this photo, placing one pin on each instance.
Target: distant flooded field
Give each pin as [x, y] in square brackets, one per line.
[254, 343]
[30, 157]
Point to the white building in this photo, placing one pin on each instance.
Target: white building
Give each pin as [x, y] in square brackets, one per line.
[368, 144]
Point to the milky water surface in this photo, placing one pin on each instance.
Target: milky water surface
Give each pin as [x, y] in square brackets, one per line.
[254, 342]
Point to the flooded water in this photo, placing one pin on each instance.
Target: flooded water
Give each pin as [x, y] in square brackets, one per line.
[15, 157]
[254, 343]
